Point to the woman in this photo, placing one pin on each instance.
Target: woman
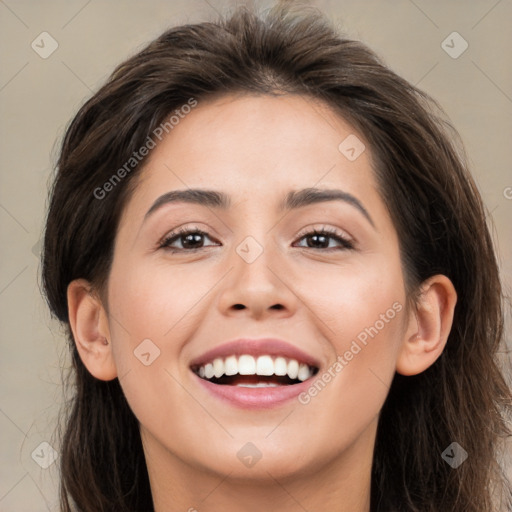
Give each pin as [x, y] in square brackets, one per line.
[277, 281]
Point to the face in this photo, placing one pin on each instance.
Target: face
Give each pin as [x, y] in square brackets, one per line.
[322, 277]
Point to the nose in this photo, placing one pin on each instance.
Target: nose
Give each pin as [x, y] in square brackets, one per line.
[259, 288]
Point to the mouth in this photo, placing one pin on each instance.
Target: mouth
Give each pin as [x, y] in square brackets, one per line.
[255, 374]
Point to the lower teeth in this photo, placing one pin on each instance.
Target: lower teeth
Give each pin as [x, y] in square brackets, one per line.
[259, 385]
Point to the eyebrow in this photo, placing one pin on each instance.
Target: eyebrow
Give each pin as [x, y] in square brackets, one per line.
[293, 200]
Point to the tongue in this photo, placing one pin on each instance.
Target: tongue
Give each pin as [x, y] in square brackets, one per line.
[253, 379]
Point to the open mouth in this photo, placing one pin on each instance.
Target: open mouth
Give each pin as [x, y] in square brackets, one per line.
[255, 372]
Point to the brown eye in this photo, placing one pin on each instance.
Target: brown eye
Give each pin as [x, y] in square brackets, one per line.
[321, 239]
[189, 239]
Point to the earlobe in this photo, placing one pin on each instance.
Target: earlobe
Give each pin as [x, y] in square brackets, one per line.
[89, 325]
[430, 323]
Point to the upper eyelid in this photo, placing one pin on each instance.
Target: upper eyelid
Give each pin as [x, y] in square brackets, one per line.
[193, 228]
[328, 229]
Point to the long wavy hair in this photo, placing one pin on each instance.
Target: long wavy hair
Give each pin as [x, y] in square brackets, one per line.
[422, 172]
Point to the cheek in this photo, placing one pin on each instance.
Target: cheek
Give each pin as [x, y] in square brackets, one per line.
[347, 396]
[351, 297]
[363, 313]
[154, 311]
[152, 315]
[156, 301]
[369, 329]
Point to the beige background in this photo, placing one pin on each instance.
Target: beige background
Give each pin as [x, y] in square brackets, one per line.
[38, 97]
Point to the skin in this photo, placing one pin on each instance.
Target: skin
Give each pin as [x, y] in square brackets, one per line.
[315, 456]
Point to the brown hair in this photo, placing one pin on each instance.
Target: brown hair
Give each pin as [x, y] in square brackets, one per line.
[434, 204]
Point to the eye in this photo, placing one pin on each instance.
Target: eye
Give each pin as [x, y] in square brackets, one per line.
[320, 239]
[191, 239]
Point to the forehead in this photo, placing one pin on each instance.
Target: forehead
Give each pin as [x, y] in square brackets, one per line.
[257, 146]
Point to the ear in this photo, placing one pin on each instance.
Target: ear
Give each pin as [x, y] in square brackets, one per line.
[429, 326]
[89, 324]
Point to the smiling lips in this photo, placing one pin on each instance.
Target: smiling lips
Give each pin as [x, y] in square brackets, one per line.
[233, 370]
[255, 373]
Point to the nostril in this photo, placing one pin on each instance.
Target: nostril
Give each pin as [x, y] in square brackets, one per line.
[239, 306]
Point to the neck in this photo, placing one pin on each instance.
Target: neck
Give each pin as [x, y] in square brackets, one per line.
[339, 484]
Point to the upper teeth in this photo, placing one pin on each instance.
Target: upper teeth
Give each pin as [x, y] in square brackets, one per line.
[263, 365]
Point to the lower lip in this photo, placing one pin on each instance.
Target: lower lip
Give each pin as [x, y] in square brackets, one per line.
[255, 398]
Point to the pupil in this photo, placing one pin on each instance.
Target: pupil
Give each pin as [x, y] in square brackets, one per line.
[317, 237]
[192, 238]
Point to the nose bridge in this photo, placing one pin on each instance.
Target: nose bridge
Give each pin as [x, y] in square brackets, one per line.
[256, 250]
[257, 280]
[253, 259]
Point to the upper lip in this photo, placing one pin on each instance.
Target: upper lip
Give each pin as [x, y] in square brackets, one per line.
[256, 347]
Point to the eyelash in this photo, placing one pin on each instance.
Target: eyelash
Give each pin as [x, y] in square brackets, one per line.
[345, 243]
